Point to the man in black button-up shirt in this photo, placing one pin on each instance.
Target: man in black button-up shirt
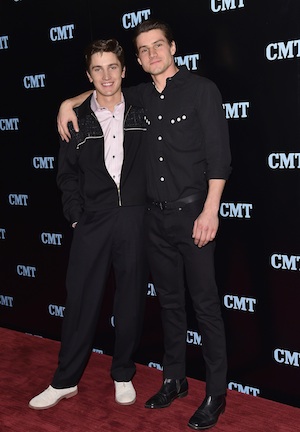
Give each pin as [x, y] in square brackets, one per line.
[188, 163]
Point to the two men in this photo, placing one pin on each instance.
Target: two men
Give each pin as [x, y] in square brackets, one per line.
[188, 163]
[101, 174]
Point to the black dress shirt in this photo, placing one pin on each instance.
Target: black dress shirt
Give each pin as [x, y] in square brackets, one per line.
[188, 141]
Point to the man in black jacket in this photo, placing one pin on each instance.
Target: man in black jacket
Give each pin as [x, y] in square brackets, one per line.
[101, 174]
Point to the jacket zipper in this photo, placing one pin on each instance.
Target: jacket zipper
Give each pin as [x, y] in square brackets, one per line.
[119, 196]
[118, 187]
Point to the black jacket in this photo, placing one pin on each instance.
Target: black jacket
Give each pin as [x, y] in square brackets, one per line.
[82, 175]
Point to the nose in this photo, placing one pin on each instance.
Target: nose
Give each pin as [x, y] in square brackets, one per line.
[106, 75]
[152, 52]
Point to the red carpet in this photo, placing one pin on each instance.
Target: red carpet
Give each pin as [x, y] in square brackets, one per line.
[27, 364]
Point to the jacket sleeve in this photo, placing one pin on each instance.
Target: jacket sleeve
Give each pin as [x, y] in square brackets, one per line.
[68, 179]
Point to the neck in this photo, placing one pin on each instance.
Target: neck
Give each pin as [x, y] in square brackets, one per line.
[161, 79]
[109, 102]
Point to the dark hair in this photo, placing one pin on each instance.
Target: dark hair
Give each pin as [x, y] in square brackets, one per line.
[153, 24]
[101, 46]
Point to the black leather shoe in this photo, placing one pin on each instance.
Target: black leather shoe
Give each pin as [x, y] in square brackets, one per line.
[169, 391]
[206, 416]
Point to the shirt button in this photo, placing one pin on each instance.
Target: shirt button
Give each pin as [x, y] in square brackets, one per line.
[159, 138]
[162, 96]
[162, 179]
[161, 159]
[159, 117]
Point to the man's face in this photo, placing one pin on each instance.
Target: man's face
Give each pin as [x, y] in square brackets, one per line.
[106, 73]
[155, 54]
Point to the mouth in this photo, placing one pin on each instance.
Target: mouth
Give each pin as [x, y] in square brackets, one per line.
[154, 62]
[110, 84]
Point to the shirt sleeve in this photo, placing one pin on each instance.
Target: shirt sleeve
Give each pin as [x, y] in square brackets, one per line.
[215, 131]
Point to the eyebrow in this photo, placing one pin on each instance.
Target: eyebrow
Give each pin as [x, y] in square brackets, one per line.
[111, 64]
[153, 43]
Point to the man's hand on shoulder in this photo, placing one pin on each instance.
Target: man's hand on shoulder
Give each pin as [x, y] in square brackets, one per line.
[65, 115]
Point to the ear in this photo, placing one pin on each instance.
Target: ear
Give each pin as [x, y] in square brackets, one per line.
[139, 61]
[123, 72]
[89, 77]
[173, 47]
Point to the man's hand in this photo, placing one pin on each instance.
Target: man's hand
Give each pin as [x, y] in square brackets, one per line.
[66, 114]
[205, 228]
[207, 223]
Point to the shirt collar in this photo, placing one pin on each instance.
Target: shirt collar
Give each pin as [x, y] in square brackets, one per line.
[95, 105]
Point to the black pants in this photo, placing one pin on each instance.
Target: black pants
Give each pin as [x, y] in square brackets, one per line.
[111, 237]
[173, 256]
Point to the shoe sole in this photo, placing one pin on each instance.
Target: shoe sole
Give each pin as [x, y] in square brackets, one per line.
[67, 396]
[126, 403]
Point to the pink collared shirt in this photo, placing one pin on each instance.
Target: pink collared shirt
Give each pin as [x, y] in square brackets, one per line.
[112, 126]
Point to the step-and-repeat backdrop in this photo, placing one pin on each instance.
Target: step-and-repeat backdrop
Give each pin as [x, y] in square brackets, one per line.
[251, 50]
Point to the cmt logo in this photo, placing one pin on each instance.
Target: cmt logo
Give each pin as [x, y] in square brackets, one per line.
[245, 304]
[2, 233]
[6, 301]
[3, 42]
[18, 199]
[55, 310]
[236, 110]
[9, 124]
[51, 238]
[253, 391]
[26, 271]
[62, 33]
[283, 50]
[132, 19]
[284, 160]
[223, 5]
[98, 351]
[155, 365]
[190, 61]
[151, 290]
[43, 162]
[287, 357]
[193, 338]
[34, 81]
[239, 210]
[285, 262]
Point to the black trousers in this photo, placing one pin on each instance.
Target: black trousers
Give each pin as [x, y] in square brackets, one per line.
[174, 259]
[110, 237]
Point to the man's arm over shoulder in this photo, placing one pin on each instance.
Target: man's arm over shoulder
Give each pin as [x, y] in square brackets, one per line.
[66, 115]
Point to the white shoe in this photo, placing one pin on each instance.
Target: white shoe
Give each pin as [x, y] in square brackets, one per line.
[51, 396]
[125, 393]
